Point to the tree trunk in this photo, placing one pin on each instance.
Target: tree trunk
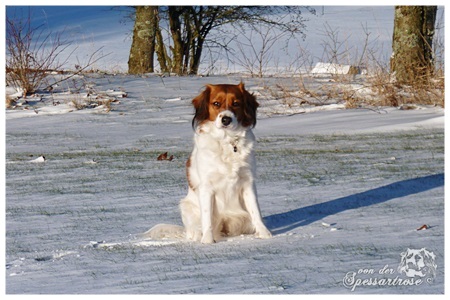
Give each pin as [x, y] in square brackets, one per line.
[163, 57]
[188, 43]
[142, 51]
[412, 58]
[178, 45]
[196, 56]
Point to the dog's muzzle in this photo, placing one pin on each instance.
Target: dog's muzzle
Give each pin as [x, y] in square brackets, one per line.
[226, 119]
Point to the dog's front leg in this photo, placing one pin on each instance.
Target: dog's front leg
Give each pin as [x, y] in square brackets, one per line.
[206, 208]
[251, 203]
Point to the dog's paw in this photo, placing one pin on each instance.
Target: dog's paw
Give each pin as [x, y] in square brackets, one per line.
[194, 235]
[207, 238]
[263, 233]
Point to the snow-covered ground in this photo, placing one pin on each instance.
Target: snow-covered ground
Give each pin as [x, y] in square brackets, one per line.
[343, 190]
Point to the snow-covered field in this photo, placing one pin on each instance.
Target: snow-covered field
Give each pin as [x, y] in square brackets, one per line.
[343, 191]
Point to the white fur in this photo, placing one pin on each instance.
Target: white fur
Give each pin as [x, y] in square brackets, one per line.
[222, 195]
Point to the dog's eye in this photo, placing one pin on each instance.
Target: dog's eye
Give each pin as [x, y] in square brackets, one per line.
[236, 103]
[216, 104]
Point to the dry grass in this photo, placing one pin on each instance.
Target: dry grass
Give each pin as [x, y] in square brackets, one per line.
[80, 103]
[429, 91]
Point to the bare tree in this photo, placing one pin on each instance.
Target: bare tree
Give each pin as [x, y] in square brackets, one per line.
[334, 49]
[255, 48]
[190, 27]
[31, 52]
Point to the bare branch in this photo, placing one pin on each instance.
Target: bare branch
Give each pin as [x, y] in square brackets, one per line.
[31, 52]
[92, 60]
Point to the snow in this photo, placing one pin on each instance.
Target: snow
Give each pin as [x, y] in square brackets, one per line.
[337, 69]
[341, 190]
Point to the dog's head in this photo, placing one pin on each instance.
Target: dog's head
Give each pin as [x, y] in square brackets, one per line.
[226, 105]
[417, 262]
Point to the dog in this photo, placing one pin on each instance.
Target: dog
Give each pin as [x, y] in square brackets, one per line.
[221, 199]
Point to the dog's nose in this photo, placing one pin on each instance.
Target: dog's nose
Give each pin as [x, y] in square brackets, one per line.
[226, 120]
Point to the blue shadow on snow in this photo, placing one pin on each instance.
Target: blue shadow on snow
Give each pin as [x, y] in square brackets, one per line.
[284, 222]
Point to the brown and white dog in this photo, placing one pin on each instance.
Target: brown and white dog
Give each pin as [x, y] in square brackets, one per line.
[222, 199]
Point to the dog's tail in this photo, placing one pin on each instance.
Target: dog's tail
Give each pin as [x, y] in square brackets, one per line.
[164, 231]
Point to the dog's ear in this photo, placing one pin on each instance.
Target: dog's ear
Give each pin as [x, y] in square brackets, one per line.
[250, 107]
[201, 105]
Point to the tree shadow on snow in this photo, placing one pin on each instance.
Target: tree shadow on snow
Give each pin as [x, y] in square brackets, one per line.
[284, 222]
